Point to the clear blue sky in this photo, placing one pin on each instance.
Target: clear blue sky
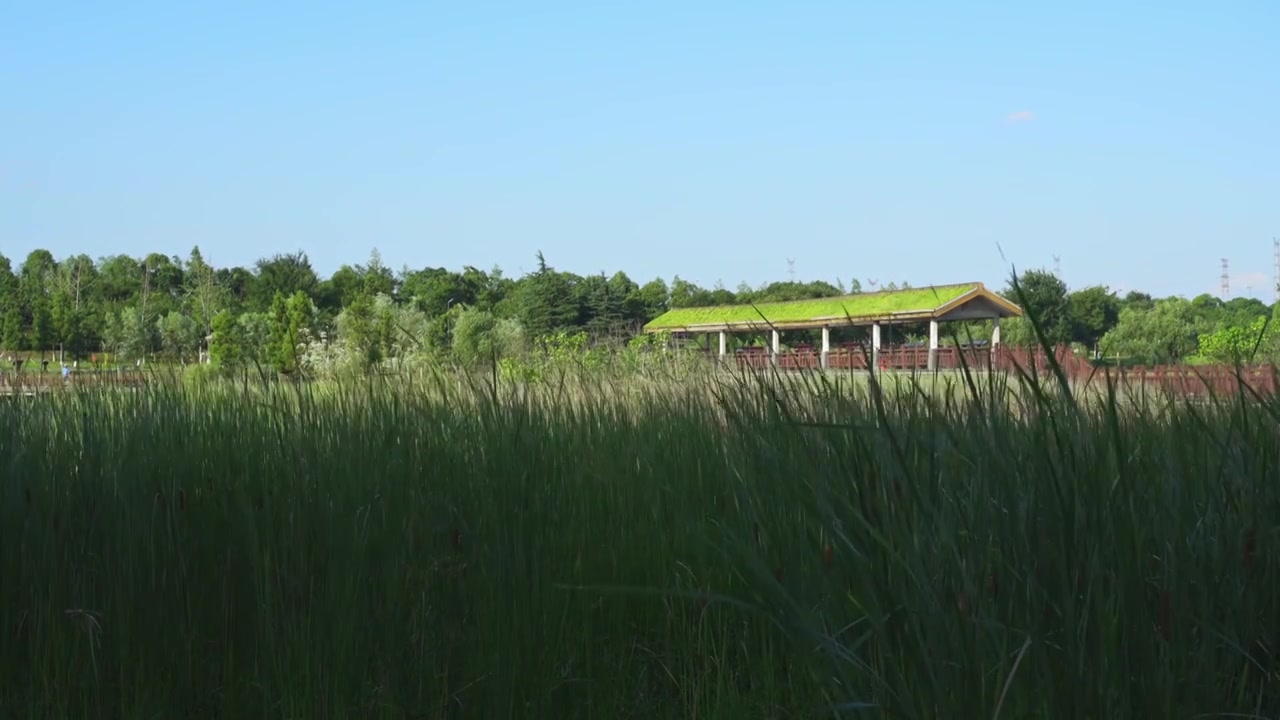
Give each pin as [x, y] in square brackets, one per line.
[909, 141]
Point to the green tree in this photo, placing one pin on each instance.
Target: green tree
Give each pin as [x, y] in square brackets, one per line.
[119, 285]
[240, 286]
[338, 290]
[1243, 311]
[10, 308]
[357, 328]
[205, 297]
[227, 345]
[162, 285]
[42, 334]
[376, 278]
[1093, 312]
[277, 354]
[601, 308]
[76, 317]
[285, 275]
[11, 327]
[180, 335]
[545, 301]
[37, 269]
[1138, 300]
[435, 290]
[256, 330]
[654, 298]
[1044, 297]
[128, 335]
[1165, 334]
[685, 294]
[298, 320]
[480, 339]
[67, 327]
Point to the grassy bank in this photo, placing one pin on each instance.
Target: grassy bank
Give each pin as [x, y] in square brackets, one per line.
[636, 548]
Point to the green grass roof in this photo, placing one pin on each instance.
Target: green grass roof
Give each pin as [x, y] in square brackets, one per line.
[865, 305]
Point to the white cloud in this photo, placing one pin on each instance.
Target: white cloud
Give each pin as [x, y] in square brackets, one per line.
[1020, 116]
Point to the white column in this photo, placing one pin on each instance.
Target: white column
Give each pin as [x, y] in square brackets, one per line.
[776, 345]
[724, 343]
[875, 345]
[995, 341]
[933, 345]
[826, 345]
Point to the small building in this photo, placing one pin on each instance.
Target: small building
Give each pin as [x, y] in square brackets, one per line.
[935, 305]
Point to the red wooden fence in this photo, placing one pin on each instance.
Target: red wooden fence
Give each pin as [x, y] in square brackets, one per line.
[1178, 379]
[32, 381]
[907, 358]
[1196, 380]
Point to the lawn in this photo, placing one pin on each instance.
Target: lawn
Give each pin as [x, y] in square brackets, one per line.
[623, 547]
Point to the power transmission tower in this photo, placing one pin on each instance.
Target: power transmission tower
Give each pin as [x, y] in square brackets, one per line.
[791, 269]
[1275, 273]
[1057, 266]
[1226, 281]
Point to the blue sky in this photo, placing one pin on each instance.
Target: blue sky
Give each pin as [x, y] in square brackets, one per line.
[898, 141]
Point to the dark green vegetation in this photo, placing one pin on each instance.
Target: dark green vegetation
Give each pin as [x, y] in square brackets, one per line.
[280, 314]
[712, 548]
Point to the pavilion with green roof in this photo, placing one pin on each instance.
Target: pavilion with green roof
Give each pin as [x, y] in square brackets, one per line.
[935, 304]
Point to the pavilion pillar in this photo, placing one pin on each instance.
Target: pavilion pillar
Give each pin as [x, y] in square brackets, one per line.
[933, 345]
[775, 346]
[826, 346]
[875, 345]
[995, 341]
[724, 343]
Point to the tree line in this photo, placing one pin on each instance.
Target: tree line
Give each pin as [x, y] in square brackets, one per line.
[281, 313]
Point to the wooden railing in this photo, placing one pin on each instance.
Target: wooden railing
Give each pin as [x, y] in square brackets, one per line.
[1177, 379]
[11, 381]
[905, 358]
[1198, 380]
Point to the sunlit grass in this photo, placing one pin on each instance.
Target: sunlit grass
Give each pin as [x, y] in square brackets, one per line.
[713, 545]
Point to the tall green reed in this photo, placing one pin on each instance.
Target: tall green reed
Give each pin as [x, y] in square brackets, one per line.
[595, 545]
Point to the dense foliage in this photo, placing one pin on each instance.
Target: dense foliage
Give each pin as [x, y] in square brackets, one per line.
[281, 315]
[620, 546]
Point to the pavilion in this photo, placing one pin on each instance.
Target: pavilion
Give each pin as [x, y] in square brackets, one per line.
[935, 304]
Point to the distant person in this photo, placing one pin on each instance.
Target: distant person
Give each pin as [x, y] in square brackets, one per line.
[66, 371]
